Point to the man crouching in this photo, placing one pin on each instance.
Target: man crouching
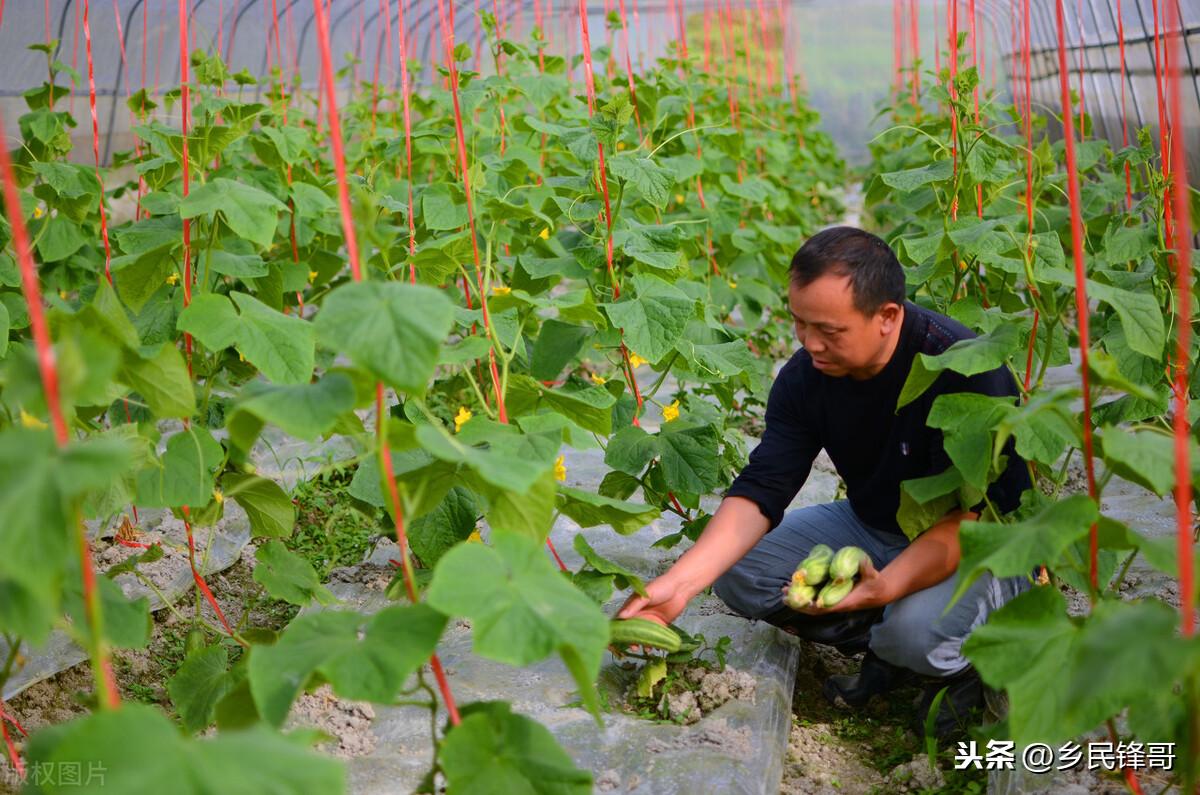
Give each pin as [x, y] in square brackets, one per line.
[859, 337]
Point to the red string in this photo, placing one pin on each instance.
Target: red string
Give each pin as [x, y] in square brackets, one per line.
[914, 18]
[199, 578]
[185, 108]
[637, 116]
[952, 30]
[75, 57]
[5, 717]
[975, 63]
[404, 89]
[1124, 117]
[87, 36]
[448, 44]
[1082, 54]
[1081, 301]
[50, 384]
[1181, 258]
[385, 452]
[897, 47]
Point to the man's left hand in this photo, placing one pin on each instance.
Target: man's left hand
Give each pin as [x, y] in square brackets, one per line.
[870, 591]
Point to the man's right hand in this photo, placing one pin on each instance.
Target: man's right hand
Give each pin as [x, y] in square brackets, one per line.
[664, 601]
[736, 526]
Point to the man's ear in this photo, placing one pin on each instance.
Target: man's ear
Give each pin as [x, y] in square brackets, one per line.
[889, 316]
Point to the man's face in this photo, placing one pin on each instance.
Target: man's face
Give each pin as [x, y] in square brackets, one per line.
[842, 340]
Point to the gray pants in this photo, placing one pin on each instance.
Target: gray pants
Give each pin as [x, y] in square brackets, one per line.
[912, 632]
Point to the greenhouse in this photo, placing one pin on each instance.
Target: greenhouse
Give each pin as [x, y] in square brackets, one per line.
[636, 396]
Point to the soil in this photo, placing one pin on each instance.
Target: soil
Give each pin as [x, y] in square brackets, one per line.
[348, 723]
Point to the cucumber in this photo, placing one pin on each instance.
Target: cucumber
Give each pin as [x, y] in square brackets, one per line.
[834, 592]
[195, 641]
[812, 569]
[799, 595]
[643, 632]
[846, 562]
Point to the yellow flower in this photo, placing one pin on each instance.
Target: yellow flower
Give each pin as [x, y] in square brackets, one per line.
[732, 284]
[596, 379]
[173, 278]
[312, 276]
[461, 417]
[218, 496]
[62, 294]
[475, 538]
[500, 289]
[38, 212]
[679, 198]
[635, 360]
[30, 421]
[544, 234]
[560, 469]
[671, 412]
[620, 145]
[241, 357]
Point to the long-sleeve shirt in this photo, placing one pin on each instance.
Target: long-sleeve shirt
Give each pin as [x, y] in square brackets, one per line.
[873, 447]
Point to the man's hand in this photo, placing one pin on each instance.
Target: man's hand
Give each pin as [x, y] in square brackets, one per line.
[870, 591]
[664, 601]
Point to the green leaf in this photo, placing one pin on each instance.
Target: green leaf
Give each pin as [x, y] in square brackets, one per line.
[910, 179]
[391, 329]
[505, 462]
[239, 266]
[127, 621]
[250, 212]
[557, 344]
[495, 750]
[142, 753]
[288, 576]
[305, 411]
[720, 361]
[443, 208]
[521, 608]
[279, 345]
[162, 381]
[1145, 456]
[625, 577]
[654, 319]
[200, 683]
[530, 513]
[268, 506]
[967, 419]
[587, 405]
[752, 189]
[212, 320]
[649, 179]
[394, 643]
[62, 238]
[690, 457]
[1010, 550]
[630, 449]
[1023, 648]
[453, 520]
[923, 501]
[185, 475]
[591, 510]
[1124, 650]
[1140, 315]
[967, 357]
[4, 329]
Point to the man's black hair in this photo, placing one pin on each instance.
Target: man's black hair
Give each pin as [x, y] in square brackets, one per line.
[876, 276]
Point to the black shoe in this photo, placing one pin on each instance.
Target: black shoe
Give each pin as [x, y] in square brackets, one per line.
[961, 707]
[874, 678]
[848, 632]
